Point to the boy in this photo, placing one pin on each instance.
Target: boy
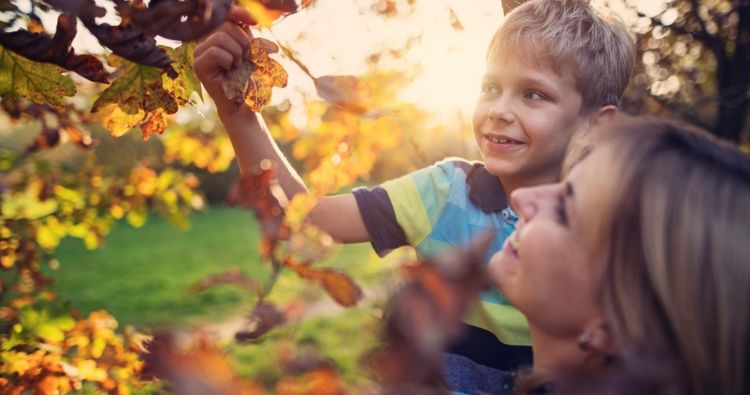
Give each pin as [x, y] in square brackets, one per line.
[554, 68]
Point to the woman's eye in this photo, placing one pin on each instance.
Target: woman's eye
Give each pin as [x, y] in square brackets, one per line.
[562, 215]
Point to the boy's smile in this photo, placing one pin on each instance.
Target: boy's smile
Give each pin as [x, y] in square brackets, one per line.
[524, 118]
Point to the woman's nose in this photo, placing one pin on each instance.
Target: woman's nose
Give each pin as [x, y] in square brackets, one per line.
[528, 202]
[523, 202]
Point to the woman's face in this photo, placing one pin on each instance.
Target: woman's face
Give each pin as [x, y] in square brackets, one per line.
[546, 268]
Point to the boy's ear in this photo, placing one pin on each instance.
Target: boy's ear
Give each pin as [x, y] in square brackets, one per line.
[598, 120]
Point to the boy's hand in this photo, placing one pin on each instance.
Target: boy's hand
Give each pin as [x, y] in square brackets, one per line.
[221, 51]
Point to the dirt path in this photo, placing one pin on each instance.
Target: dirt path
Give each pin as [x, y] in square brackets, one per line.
[323, 307]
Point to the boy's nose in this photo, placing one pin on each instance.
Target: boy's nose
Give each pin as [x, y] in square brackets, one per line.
[500, 111]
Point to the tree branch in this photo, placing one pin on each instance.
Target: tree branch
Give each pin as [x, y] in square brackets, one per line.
[713, 42]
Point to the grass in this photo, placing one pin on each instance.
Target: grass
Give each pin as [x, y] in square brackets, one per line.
[142, 277]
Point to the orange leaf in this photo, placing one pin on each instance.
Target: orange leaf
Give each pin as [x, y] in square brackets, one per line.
[202, 369]
[260, 192]
[253, 80]
[337, 284]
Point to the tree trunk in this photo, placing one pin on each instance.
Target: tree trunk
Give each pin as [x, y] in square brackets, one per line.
[734, 83]
[732, 114]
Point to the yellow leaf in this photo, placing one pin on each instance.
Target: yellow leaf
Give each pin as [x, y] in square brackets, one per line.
[137, 218]
[90, 371]
[119, 122]
[46, 238]
[140, 93]
[14, 362]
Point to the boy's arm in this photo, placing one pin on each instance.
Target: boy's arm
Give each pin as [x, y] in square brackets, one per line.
[214, 57]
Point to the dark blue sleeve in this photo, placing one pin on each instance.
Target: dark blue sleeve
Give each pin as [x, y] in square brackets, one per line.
[380, 219]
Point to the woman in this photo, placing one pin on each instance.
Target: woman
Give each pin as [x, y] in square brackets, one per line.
[634, 272]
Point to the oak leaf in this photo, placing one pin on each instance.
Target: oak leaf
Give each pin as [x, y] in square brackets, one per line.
[261, 320]
[180, 20]
[130, 43]
[338, 285]
[142, 99]
[41, 83]
[40, 47]
[183, 59]
[253, 80]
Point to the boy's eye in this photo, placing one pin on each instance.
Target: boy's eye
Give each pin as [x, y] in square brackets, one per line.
[534, 95]
[489, 89]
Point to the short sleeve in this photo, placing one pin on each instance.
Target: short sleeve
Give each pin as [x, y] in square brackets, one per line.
[380, 219]
[403, 211]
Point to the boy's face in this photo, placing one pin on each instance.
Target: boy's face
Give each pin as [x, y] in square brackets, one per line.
[524, 118]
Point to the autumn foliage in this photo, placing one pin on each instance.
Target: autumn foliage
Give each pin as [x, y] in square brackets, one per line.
[46, 345]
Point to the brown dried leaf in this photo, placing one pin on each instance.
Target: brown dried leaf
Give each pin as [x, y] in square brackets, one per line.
[40, 47]
[234, 277]
[253, 81]
[345, 91]
[181, 20]
[130, 43]
[47, 139]
[261, 320]
[425, 317]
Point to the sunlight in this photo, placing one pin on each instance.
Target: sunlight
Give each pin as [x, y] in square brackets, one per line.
[446, 52]
[338, 37]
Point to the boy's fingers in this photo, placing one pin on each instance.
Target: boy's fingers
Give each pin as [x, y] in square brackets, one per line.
[239, 14]
[206, 63]
[223, 41]
[240, 36]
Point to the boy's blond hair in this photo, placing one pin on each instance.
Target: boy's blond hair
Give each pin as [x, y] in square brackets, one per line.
[569, 36]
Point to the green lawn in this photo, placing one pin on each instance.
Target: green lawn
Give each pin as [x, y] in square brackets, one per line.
[142, 277]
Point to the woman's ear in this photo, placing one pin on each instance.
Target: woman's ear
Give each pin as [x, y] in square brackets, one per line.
[597, 339]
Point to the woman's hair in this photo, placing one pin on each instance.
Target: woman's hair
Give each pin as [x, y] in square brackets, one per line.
[672, 223]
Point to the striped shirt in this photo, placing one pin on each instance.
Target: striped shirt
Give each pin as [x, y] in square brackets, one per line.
[441, 207]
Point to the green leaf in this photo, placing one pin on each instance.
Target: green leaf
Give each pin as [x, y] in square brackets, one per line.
[42, 324]
[182, 61]
[41, 83]
[139, 88]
